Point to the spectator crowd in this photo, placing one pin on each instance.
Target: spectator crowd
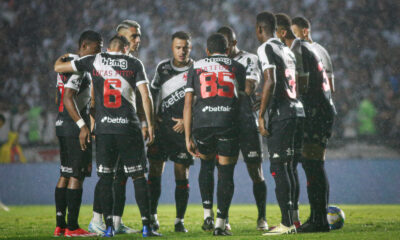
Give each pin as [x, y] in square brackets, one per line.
[362, 37]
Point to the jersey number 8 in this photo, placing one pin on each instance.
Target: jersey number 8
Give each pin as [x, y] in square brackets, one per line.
[108, 92]
[210, 88]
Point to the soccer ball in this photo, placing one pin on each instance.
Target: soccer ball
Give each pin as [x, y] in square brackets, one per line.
[335, 217]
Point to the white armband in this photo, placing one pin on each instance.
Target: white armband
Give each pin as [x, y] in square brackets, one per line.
[80, 123]
[144, 124]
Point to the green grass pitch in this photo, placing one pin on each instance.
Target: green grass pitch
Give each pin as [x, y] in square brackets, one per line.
[362, 222]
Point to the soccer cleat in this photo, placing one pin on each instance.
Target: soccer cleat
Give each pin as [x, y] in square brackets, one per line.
[297, 224]
[180, 227]
[262, 224]
[148, 232]
[109, 232]
[279, 230]
[95, 227]
[78, 233]
[311, 227]
[208, 224]
[228, 225]
[220, 232]
[155, 225]
[59, 231]
[123, 229]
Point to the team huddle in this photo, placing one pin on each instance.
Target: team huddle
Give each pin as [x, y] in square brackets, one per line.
[211, 109]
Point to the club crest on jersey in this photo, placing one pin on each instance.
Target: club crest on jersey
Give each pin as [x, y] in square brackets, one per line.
[121, 63]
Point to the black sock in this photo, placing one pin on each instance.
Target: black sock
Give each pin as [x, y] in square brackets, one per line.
[142, 199]
[97, 199]
[106, 198]
[225, 189]
[74, 200]
[282, 190]
[206, 183]
[260, 195]
[181, 197]
[296, 183]
[154, 193]
[119, 191]
[61, 206]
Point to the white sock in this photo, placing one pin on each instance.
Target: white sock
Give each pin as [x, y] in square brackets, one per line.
[295, 215]
[117, 222]
[208, 213]
[220, 223]
[153, 217]
[178, 220]
[97, 217]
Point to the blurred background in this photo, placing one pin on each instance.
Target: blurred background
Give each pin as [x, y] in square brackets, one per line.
[362, 37]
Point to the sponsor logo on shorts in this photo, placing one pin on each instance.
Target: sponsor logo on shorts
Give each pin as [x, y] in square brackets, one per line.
[59, 123]
[117, 120]
[252, 154]
[182, 155]
[289, 152]
[133, 169]
[275, 155]
[102, 169]
[66, 169]
[216, 109]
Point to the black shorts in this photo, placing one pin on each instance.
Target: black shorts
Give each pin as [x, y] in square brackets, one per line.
[299, 136]
[74, 162]
[250, 143]
[217, 140]
[128, 149]
[281, 140]
[318, 127]
[169, 144]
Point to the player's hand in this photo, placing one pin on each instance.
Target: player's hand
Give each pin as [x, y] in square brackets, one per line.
[191, 148]
[150, 131]
[145, 132]
[261, 127]
[84, 137]
[257, 102]
[179, 128]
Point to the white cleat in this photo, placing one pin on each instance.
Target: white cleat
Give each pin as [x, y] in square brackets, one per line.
[280, 230]
[262, 224]
[125, 230]
[4, 207]
[228, 227]
[95, 227]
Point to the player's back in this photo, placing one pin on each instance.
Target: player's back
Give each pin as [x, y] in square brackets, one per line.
[80, 82]
[285, 104]
[216, 81]
[115, 77]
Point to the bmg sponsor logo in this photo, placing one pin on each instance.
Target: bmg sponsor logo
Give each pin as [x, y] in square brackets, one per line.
[122, 63]
[216, 109]
[117, 120]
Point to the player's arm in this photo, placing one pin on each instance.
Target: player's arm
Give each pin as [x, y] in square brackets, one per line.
[92, 109]
[61, 66]
[147, 103]
[187, 122]
[268, 89]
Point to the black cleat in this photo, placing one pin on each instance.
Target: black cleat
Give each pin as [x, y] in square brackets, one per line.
[220, 232]
[311, 227]
[180, 227]
[155, 225]
[208, 224]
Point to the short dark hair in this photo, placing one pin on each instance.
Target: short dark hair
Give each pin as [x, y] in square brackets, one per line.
[283, 20]
[301, 22]
[217, 43]
[228, 33]
[90, 36]
[118, 41]
[181, 35]
[267, 20]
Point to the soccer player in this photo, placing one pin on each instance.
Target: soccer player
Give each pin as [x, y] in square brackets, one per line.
[320, 113]
[73, 91]
[131, 31]
[115, 77]
[249, 138]
[168, 89]
[215, 81]
[280, 96]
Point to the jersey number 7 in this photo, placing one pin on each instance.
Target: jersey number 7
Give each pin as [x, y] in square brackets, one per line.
[210, 88]
[112, 96]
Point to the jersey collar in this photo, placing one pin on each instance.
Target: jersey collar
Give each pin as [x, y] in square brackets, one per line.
[180, 69]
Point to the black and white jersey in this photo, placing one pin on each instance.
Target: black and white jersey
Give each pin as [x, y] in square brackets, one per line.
[285, 104]
[325, 58]
[169, 84]
[310, 63]
[80, 82]
[216, 81]
[251, 64]
[115, 77]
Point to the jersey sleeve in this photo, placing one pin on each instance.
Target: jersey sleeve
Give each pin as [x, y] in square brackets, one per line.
[83, 64]
[190, 80]
[140, 76]
[156, 82]
[74, 82]
[266, 57]
[252, 69]
[327, 62]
